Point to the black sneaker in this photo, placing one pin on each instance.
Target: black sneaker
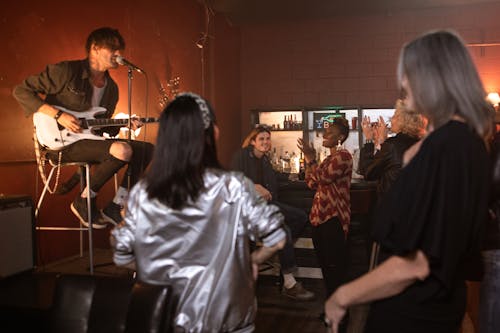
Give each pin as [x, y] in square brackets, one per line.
[79, 208]
[112, 213]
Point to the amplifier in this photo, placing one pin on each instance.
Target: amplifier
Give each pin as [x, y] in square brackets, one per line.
[17, 231]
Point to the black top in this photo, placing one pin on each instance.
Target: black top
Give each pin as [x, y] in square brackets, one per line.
[259, 170]
[436, 205]
[384, 165]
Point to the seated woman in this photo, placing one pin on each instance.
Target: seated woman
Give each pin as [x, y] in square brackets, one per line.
[381, 158]
[189, 224]
[252, 160]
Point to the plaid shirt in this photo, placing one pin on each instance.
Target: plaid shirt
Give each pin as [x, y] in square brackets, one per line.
[332, 182]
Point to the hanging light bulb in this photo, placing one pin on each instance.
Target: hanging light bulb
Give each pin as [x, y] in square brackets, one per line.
[494, 99]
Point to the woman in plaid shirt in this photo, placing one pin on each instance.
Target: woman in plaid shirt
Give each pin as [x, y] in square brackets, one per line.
[331, 209]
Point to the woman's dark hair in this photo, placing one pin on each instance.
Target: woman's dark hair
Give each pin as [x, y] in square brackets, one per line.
[343, 125]
[105, 37]
[184, 150]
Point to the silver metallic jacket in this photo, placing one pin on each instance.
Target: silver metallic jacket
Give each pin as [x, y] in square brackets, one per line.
[202, 250]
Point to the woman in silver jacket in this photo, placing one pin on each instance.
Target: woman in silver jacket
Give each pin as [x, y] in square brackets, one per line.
[189, 224]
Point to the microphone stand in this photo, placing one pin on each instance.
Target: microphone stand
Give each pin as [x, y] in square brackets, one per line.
[129, 123]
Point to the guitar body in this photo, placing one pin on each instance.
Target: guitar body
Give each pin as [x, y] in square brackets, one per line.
[53, 136]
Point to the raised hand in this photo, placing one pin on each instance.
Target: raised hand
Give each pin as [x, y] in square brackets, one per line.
[380, 132]
[308, 150]
[366, 126]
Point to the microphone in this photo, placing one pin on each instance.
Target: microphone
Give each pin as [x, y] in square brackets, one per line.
[124, 62]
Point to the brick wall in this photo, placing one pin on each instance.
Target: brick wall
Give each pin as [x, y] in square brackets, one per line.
[352, 60]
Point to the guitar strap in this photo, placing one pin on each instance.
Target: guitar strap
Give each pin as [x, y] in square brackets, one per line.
[41, 161]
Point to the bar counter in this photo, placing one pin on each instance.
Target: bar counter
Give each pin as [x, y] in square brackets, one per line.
[296, 193]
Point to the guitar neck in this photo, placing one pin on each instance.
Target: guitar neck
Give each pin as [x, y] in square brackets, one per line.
[116, 122]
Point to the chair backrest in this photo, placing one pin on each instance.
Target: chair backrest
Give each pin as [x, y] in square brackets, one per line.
[89, 304]
[150, 309]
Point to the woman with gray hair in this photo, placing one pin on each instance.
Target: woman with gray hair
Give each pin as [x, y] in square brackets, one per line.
[429, 220]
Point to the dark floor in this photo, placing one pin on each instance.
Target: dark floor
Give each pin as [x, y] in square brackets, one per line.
[31, 293]
[278, 313]
[28, 296]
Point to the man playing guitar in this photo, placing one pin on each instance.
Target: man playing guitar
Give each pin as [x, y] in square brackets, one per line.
[80, 85]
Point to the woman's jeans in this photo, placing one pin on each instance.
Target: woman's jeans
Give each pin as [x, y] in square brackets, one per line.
[489, 302]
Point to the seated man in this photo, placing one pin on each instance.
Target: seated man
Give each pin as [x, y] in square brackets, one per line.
[251, 159]
[77, 86]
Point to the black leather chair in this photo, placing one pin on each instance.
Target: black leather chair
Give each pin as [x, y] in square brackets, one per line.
[90, 304]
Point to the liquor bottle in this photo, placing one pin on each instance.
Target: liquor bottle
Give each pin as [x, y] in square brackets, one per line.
[280, 159]
[276, 160]
[302, 167]
[286, 162]
[292, 163]
[301, 161]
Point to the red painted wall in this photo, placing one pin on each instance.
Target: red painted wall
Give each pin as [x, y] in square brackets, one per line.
[160, 37]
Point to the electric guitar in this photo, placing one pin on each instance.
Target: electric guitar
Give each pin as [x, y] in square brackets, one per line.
[54, 136]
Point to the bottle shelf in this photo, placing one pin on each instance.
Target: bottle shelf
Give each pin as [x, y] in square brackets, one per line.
[286, 130]
[306, 122]
[319, 130]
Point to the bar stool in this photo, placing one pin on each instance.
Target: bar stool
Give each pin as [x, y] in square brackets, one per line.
[55, 169]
